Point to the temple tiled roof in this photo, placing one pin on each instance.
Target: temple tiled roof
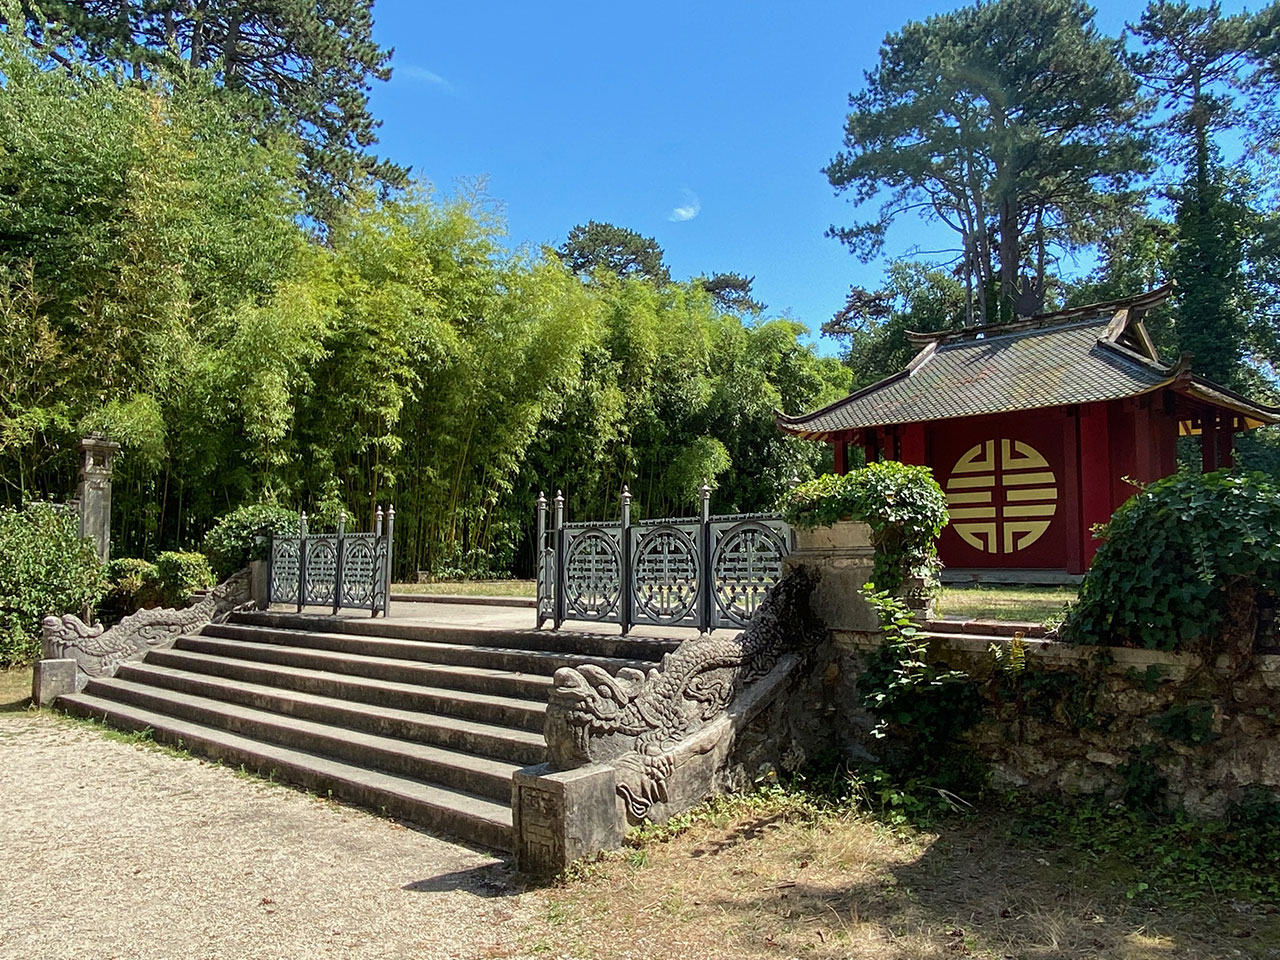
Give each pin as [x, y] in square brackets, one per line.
[1081, 356]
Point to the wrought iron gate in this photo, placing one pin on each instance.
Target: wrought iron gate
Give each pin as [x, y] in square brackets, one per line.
[702, 572]
[334, 570]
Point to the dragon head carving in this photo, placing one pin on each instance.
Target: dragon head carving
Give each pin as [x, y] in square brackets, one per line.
[64, 634]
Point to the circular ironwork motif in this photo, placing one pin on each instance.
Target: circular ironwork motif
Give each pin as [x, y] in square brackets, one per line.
[592, 575]
[666, 575]
[1002, 496]
[322, 571]
[357, 573]
[284, 571]
[746, 564]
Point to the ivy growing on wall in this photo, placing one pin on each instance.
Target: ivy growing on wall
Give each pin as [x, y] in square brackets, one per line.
[903, 505]
[1181, 562]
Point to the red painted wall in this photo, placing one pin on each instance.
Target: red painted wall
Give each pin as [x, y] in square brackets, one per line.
[1010, 494]
[1033, 506]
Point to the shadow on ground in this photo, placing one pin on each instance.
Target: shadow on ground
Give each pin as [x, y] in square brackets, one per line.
[766, 887]
[488, 880]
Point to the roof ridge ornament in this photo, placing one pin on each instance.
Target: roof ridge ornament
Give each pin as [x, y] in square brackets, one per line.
[1137, 304]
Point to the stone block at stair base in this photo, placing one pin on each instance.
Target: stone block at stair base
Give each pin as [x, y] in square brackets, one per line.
[562, 816]
[51, 679]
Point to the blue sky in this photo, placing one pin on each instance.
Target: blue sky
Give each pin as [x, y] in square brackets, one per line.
[704, 125]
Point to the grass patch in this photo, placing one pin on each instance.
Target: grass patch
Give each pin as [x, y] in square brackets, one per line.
[471, 588]
[1029, 603]
[785, 873]
[15, 689]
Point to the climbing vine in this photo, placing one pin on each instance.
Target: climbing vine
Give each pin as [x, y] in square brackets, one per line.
[1182, 563]
[903, 505]
[925, 706]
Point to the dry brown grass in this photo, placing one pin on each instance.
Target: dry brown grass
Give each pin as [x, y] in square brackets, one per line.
[15, 689]
[764, 884]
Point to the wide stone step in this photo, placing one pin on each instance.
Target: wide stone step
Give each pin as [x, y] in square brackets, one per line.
[480, 776]
[521, 747]
[502, 683]
[563, 641]
[459, 814]
[504, 711]
[539, 662]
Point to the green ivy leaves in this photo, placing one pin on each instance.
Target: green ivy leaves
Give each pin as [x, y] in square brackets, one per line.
[903, 505]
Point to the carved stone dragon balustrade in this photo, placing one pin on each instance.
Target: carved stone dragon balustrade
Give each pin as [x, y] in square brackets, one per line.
[669, 733]
[99, 652]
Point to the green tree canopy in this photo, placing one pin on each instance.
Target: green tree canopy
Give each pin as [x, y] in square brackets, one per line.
[1011, 122]
[301, 65]
[596, 246]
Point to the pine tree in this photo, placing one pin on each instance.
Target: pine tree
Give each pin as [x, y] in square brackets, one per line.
[307, 66]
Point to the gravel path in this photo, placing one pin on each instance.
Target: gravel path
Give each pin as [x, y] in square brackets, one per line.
[114, 850]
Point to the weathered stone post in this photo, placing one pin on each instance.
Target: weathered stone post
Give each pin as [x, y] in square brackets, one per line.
[843, 557]
[97, 460]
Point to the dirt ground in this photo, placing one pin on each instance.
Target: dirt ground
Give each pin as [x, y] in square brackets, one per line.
[763, 886]
[114, 848]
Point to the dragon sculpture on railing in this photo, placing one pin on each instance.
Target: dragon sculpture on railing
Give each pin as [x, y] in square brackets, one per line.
[99, 652]
[670, 733]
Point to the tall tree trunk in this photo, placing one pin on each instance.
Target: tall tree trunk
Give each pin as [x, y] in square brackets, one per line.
[1009, 256]
[231, 48]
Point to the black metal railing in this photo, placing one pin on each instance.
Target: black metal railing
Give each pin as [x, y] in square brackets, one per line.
[704, 572]
[336, 570]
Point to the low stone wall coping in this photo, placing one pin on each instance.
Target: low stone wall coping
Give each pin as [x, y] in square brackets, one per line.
[988, 628]
[1122, 658]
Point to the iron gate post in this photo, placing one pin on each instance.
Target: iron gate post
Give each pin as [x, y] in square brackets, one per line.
[302, 560]
[377, 571]
[337, 564]
[271, 568]
[540, 559]
[559, 560]
[705, 585]
[386, 571]
[624, 593]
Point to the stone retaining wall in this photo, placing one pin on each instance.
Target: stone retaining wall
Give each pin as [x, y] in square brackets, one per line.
[1086, 720]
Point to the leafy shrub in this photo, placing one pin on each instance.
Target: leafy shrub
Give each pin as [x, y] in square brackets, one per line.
[132, 585]
[921, 705]
[903, 505]
[139, 584]
[1173, 558]
[181, 574]
[244, 534]
[46, 568]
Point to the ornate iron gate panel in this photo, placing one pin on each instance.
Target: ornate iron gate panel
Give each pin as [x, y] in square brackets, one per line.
[702, 572]
[335, 570]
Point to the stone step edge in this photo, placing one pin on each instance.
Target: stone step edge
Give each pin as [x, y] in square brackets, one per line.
[339, 656]
[369, 684]
[490, 822]
[645, 648]
[293, 637]
[481, 768]
[372, 711]
[462, 599]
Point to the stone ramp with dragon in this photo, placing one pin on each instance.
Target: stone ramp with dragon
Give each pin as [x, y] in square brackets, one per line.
[670, 732]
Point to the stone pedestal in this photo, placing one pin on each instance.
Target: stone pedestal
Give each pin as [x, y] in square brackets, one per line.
[258, 584]
[561, 816]
[97, 461]
[843, 557]
[51, 679]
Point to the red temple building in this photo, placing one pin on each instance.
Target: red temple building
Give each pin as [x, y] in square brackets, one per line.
[1033, 429]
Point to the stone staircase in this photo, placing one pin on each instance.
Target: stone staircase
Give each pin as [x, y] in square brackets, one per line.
[423, 723]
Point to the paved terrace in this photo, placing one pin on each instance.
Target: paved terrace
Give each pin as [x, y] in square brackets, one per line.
[490, 613]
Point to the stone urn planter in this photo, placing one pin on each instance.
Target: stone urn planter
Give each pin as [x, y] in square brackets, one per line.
[844, 557]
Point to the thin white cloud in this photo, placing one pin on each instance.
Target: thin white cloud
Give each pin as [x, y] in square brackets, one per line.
[423, 75]
[690, 207]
